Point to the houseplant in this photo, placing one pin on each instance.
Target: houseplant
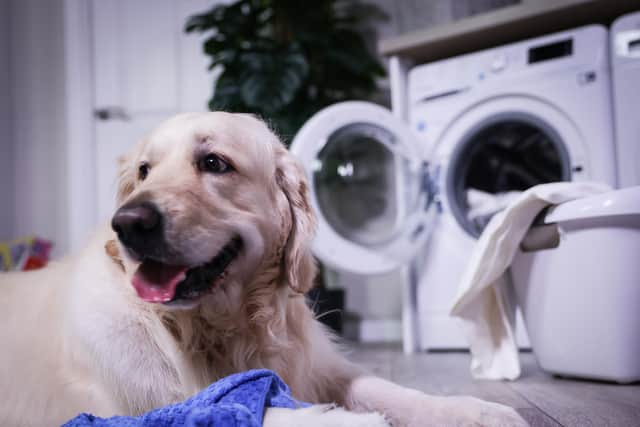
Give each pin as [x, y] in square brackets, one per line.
[286, 59]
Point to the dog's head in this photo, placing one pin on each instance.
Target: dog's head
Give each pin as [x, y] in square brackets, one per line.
[208, 200]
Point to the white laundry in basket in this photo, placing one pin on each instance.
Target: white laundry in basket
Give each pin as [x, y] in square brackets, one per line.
[483, 206]
[484, 302]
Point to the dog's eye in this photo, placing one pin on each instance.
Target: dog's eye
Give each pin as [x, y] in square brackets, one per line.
[214, 164]
[143, 171]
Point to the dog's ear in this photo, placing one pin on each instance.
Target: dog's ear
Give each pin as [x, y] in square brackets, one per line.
[126, 178]
[298, 263]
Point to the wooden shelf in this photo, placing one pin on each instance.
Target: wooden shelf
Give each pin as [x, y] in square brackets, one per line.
[531, 18]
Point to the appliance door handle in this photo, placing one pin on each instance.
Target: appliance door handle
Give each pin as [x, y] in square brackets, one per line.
[540, 237]
[111, 113]
[627, 44]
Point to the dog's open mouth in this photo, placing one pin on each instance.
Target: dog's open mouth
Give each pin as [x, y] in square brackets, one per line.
[158, 282]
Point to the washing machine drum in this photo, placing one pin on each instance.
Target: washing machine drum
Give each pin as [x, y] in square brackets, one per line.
[357, 182]
[496, 161]
[374, 192]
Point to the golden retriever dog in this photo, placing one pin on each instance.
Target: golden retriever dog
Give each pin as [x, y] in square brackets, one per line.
[201, 274]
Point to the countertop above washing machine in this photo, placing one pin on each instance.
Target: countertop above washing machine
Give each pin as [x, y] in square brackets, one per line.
[527, 19]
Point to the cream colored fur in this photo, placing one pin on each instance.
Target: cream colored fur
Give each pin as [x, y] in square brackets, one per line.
[76, 337]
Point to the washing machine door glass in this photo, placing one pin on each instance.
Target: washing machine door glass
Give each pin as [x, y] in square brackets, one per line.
[369, 185]
[364, 189]
[497, 161]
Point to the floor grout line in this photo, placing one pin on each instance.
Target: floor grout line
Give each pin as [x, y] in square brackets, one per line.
[534, 405]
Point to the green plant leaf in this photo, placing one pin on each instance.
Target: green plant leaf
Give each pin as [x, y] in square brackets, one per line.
[205, 21]
[348, 50]
[284, 60]
[226, 95]
[270, 82]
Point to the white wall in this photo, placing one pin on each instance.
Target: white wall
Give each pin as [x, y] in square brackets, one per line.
[36, 70]
[7, 185]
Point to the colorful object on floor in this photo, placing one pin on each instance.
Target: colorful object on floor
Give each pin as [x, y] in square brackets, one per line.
[26, 253]
[238, 400]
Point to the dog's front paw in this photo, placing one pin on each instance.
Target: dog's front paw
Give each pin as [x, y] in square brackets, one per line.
[466, 411]
[321, 416]
[488, 414]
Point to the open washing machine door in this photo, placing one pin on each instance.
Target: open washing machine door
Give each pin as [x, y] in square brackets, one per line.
[370, 187]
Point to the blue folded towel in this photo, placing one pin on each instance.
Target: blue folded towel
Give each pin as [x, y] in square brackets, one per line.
[238, 400]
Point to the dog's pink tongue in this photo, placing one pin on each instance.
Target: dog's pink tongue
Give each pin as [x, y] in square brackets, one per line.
[157, 282]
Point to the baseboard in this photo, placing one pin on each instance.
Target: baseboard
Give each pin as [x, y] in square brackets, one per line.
[373, 330]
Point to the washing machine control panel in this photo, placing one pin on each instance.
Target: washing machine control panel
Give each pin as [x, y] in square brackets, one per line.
[582, 49]
[499, 62]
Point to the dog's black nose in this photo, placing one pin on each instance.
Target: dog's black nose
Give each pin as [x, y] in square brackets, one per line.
[139, 226]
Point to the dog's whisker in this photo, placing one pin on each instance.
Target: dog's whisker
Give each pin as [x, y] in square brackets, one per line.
[328, 312]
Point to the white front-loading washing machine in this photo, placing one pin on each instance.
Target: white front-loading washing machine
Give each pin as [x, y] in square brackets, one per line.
[625, 63]
[388, 191]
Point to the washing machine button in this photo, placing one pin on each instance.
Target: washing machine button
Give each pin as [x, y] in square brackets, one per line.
[499, 63]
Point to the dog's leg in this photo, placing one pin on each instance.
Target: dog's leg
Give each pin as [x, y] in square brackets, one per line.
[332, 378]
[407, 408]
[321, 416]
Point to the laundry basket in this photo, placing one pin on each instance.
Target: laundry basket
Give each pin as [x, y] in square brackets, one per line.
[577, 281]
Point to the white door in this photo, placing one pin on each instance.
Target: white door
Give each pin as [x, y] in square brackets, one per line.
[146, 69]
[369, 186]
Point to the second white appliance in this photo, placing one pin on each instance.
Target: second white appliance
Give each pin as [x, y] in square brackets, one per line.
[625, 62]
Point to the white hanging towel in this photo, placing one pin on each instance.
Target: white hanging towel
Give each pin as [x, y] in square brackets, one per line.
[484, 302]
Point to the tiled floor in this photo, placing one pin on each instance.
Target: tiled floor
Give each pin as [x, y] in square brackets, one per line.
[542, 399]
